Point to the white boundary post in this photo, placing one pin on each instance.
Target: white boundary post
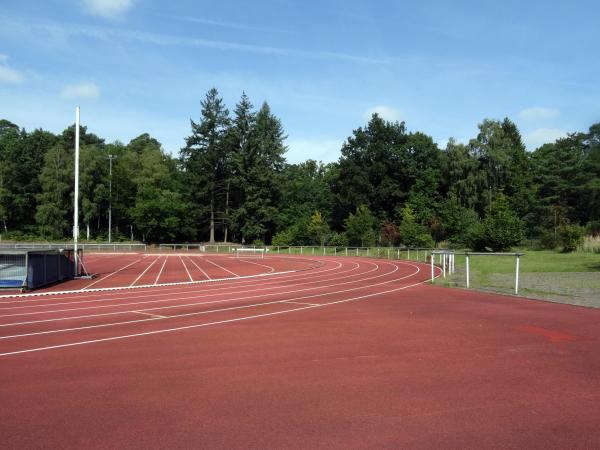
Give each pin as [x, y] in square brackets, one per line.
[444, 255]
[517, 275]
[432, 266]
[76, 195]
[467, 267]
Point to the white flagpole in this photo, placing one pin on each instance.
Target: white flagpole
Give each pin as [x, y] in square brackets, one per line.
[76, 196]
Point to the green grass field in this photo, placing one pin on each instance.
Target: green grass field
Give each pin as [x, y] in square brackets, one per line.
[563, 277]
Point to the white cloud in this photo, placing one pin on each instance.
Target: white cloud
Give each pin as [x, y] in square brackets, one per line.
[326, 150]
[81, 90]
[385, 112]
[539, 113]
[8, 75]
[107, 8]
[543, 136]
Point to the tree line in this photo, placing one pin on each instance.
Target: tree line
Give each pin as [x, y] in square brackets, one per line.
[231, 182]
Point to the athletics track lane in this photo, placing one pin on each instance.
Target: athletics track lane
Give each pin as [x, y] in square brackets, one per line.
[122, 270]
[421, 367]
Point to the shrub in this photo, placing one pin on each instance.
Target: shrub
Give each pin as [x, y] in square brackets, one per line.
[360, 227]
[338, 240]
[502, 229]
[412, 233]
[283, 238]
[571, 237]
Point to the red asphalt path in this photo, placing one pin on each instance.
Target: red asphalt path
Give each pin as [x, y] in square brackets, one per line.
[352, 353]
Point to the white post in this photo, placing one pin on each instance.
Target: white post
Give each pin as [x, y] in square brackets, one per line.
[467, 264]
[302, 250]
[432, 266]
[76, 196]
[346, 251]
[517, 275]
[408, 254]
[444, 257]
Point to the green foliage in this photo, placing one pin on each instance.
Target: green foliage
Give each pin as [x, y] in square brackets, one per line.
[231, 182]
[284, 237]
[457, 221]
[54, 202]
[338, 240]
[318, 229]
[412, 233]
[360, 227]
[500, 230]
[160, 211]
[571, 237]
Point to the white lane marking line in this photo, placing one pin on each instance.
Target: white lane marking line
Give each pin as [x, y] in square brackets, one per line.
[210, 293]
[144, 272]
[155, 316]
[173, 316]
[161, 270]
[301, 303]
[111, 274]
[165, 290]
[238, 319]
[199, 268]
[181, 298]
[186, 269]
[20, 299]
[256, 264]
[221, 267]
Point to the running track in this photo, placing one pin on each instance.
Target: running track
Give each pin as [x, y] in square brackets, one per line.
[316, 353]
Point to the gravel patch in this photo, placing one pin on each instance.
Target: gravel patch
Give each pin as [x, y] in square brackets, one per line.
[573, 288]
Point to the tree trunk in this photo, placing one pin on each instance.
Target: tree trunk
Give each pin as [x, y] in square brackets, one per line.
[212, 218]
[226, 213]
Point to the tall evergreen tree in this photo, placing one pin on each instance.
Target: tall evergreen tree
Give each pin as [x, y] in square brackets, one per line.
[260, 168]
[205, 160]
[55, 201]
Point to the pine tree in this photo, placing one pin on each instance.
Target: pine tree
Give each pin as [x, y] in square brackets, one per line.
[204, 160]
[260, 166]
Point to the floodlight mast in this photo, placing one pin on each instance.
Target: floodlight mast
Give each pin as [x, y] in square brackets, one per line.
[110, 161]
[76, 196]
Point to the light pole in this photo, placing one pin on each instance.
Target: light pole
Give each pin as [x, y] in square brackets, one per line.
[76, 195]
[110, 161]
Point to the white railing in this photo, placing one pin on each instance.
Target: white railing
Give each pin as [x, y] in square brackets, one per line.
[446, 261]
[68, 245]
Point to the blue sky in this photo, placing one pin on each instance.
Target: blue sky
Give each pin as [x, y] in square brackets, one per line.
[139, 66]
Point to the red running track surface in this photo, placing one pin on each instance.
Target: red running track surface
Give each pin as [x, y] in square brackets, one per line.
[137, 269]
[352, 353]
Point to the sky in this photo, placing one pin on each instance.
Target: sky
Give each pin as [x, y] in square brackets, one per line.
[143, 66]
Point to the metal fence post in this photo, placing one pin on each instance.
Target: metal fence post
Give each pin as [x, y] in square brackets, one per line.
[444, 257]
[467, 267]
[517, 275]
[432, 267]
